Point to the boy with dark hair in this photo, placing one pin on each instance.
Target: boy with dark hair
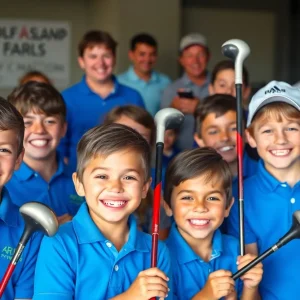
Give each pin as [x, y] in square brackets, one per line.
[215, 119]
[42, 175]
[198, 191]
[223, 80]
[272, 194]
[141, 75]
[96, 94]
[101, 254]
[20, 286]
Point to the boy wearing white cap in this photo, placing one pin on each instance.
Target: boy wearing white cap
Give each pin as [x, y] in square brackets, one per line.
[184, 93]
[273, 194]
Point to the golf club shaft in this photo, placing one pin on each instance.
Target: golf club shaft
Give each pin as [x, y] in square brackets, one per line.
[239, 116]
[11, 267]
[254, 262]
[156, 203]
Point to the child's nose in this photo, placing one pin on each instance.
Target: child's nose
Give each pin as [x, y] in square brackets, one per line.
[38, 128]
[224, 135]
[115, 186]
[281, 137]
[200, 207]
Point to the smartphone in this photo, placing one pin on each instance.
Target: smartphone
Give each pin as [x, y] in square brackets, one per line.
[186, 94]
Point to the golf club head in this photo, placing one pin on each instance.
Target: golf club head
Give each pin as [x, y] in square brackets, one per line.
[237, 50]
[39, 217]
[167, 118]
[294, 232]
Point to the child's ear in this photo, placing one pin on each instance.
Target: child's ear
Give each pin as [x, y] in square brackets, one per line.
[166, 207]
[64, 129]
[19, 159]
[211, 90]
[251, 141]
[78, 185]
[228, 208]
[198, 140]
[146, 187]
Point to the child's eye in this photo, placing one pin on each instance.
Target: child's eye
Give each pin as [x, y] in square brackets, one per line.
[212, 132]
[213, 198]
[101, 176]
[4, 150]
[27, 123]
[292, 129]
[129, 177]
[267, 131]
[187, 198]
[233, 129]
[51, 121]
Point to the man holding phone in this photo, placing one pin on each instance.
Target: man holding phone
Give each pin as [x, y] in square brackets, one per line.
[185, 93]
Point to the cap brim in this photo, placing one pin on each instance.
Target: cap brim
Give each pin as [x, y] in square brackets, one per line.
[272, 100]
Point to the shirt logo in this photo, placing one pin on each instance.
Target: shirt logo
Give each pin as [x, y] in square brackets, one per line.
[274, 89]
[8, 252]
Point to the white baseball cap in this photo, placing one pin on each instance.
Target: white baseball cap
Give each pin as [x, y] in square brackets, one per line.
[274, 91]
[192, 39]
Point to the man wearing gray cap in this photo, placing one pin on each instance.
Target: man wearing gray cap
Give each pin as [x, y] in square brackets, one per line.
[184, 93]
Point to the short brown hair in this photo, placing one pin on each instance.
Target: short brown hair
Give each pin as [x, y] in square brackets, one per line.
[278, 110]
[218, 104]
[11, 119]
[97, 37]
[197, 162]
[135, 113]
[108, 139]
[38, 96]
[33, 74]
[225, 65]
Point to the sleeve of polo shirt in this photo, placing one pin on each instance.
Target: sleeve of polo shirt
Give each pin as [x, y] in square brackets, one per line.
[167, 97]
[164, 264]
[233, 224]
[24, 285]
[54, 276]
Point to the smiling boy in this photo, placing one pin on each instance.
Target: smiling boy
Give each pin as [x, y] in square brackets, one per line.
[198, 191]
[96, 94]
[101, 253]
[272, 195]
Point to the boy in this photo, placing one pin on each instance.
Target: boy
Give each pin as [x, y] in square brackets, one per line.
[198, 191]
[272, 194]
[101, 254]
[20, 286]
[216, 127]
[96, 94]
[42, 176]
[223, 80]
[141, 76]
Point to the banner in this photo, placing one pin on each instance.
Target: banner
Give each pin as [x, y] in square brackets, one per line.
[27, 45]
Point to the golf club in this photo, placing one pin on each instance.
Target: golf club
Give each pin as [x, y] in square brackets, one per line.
[37, 217]
[293, 233]
[167, 118]
[238, 50]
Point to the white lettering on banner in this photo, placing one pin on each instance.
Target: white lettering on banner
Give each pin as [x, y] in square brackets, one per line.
[34, 45]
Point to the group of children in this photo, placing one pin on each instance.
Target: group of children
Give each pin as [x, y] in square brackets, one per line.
[102, 249]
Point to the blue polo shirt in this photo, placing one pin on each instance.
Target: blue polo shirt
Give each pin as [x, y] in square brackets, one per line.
[86, 109]
[269, 205]
[150, 90]
[20, 284]
[59, 193]
[81, 263]
[190, 272]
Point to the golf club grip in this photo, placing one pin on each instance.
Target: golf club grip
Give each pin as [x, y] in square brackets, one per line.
[254, 262]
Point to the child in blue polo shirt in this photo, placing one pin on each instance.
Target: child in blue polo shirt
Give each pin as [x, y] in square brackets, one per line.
[273, 194]
[101, 254]
[42, 175]
[20, 284]
[198, 191]
[96, 94]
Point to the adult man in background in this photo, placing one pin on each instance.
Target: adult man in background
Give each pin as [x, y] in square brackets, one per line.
[141, 75]
[185, 93]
